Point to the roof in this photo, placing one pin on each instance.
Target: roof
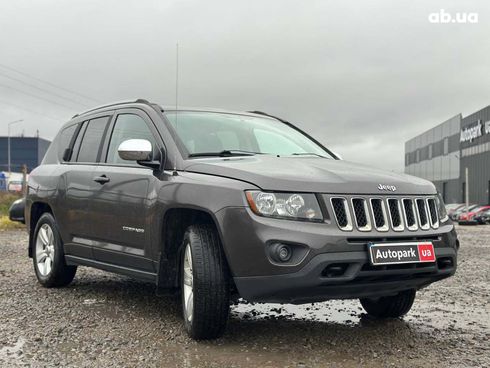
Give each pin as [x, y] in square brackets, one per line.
[173, 108]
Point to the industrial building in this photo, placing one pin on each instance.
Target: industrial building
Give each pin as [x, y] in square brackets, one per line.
[444, 153]
[23, 150]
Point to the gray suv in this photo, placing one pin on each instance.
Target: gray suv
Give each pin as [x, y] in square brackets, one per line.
[221, 205]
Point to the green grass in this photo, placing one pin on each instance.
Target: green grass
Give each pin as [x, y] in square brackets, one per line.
[6, 200]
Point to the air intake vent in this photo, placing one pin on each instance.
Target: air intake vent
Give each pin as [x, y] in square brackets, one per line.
[342, 215]
[361, 214]
[422, 214]
[410, 218]
[395, 214]
[434, 221]
[379, 214]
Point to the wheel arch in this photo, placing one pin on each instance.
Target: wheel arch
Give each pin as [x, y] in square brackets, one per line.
[175, 222]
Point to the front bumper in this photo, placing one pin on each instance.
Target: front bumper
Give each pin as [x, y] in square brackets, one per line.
[313, 283]
[245, 238]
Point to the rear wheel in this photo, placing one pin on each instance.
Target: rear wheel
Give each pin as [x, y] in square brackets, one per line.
[389, 306]
[204, 283]
[48, 256]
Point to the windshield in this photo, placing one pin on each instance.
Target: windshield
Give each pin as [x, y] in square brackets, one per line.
[215, 133]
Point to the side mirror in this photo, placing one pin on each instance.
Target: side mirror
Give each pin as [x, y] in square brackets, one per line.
[135, 150]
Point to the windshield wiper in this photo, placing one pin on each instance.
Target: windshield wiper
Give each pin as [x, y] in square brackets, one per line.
[224, 153]
[306, 154]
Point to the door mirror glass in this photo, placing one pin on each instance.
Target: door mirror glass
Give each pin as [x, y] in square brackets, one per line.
[135, 150]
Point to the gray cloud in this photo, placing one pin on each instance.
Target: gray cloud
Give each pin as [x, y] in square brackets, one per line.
[361, 76]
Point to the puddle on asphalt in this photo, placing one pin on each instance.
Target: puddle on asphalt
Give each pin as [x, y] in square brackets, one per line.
[350, 312]
[334, 311]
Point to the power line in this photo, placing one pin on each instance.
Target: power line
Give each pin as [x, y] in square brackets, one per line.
[38, 97]
[49, 83]
[42, 89]
[29, 110]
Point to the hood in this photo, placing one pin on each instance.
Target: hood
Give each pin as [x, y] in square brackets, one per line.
[310, 174]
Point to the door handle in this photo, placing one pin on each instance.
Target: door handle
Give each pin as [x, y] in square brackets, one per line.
[102, 179]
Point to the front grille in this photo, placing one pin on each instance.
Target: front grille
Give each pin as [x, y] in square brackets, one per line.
[434, 221]
[383, 214]
[379, 214]
[342, 215]
[395, 214]
[410, 218]
[361, 214]
[422, 214]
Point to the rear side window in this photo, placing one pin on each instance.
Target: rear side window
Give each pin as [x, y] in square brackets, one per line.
[89, 148]
[65, 139]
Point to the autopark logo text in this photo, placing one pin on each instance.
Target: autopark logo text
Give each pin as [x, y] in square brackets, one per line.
[444, 17]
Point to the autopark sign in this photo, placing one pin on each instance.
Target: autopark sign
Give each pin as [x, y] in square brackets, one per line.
[468, 134]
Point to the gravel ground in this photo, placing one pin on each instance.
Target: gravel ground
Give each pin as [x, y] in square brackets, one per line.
[104, 320]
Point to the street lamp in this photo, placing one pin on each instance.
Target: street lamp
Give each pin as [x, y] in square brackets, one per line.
[9, 124]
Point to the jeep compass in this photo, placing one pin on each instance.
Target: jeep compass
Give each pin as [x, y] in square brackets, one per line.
[218, 205]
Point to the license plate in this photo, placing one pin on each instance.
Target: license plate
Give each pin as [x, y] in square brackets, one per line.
[399, 253]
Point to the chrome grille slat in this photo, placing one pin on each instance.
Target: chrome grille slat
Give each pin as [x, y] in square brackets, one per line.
[342, 214]
[379, 214]
[409, 211]
[395, 213]
[385, 213]
[361, 214]
[422, 214]
[431, 205]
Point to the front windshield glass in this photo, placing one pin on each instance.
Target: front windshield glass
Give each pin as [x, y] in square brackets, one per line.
[212, 132]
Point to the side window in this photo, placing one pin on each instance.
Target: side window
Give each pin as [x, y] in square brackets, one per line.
[127, 126]
[89, 148]
[65, 138]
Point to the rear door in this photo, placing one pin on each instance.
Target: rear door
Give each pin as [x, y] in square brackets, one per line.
[77, 185]
[119, 207]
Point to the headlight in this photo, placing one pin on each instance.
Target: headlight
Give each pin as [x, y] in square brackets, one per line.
[293, 206]
[441, 208]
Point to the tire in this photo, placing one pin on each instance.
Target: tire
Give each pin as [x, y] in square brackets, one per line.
[208, 287]
[48, 255]
[389, 306]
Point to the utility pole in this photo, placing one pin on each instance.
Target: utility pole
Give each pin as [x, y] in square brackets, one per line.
[9, 124]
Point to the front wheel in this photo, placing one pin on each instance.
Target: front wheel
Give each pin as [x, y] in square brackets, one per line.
[389, 306]
[204, 283]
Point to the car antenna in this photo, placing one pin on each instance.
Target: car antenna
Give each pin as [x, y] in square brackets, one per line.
[175, 173]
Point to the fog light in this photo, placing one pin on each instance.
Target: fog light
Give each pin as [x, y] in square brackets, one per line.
[281, 252]
[284, 253]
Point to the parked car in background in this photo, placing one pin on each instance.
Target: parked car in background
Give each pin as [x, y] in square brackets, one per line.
[483, 217]
[455, 215]
[450, 208]
[469, 216]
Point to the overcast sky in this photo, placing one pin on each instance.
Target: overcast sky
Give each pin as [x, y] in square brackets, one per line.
[361, 76]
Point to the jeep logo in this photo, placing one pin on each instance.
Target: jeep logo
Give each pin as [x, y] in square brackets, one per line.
[390, 188]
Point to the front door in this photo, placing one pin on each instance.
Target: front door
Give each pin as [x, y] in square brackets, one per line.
[119, 207]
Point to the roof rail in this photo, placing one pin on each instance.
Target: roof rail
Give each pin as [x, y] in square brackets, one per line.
[139, 100]
[269, 115]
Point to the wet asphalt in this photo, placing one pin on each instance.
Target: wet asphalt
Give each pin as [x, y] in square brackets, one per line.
[105, 320]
